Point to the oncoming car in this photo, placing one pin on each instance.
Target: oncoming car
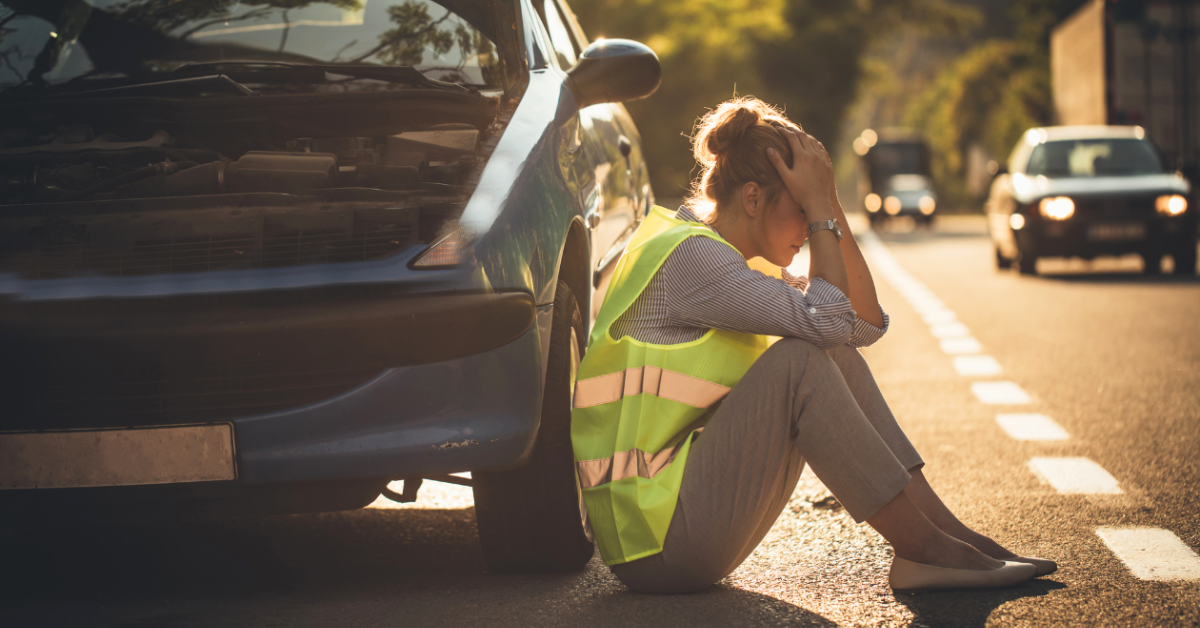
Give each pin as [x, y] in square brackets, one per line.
[1086, 191]
[267, 257]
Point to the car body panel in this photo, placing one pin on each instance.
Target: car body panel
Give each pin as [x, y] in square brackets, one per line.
[527, 221]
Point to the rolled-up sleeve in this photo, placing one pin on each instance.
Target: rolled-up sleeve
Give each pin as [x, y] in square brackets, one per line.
[710, 285]
[866, 334]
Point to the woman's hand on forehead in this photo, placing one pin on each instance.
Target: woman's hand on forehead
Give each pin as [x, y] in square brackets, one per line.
[810, 178]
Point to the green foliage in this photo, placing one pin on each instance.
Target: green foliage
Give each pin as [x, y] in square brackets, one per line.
[804, 55]
[989, 96]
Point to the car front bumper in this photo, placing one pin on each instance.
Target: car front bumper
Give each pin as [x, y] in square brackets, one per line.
[1113, 235]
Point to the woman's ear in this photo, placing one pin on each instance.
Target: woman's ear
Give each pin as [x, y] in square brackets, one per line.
[752, 199]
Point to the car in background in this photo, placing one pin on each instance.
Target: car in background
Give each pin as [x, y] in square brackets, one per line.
[1087, 191]
[269, 257]
[894, 177]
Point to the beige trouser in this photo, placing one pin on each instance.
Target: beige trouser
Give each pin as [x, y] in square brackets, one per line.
[796, 404]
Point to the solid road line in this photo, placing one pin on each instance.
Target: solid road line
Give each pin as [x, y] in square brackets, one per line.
[1075, 476]
[1031, 427]
[1152, 553]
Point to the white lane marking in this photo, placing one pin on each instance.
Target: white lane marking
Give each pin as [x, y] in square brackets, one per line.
[959, 346]
[1152, 553]
[1075, 476]
[1031, 427]
[976, 365]
[924, 306]
[934, 317]
[1000, 393]
[949, 330]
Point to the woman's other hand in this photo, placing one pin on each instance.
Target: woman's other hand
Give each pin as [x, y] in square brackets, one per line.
[810, 179]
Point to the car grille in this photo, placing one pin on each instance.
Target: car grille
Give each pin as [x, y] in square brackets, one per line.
[209, 252]
[138, 396]
[1140, 206]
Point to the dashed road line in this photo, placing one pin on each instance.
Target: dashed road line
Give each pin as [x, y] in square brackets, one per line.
[949, 330]
[1152, 553]
[939, 316]
[1000, 393]
[976, 365]
[1031, 427]
[1075, 476]
[960, 346]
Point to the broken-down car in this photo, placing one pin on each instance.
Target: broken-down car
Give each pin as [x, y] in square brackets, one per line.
[267, 257]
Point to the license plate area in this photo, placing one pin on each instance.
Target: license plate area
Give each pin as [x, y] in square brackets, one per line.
[1116, 231]
[117, 457]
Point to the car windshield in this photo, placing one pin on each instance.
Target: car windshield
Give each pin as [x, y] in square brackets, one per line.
[49, 42]
[1094, 158]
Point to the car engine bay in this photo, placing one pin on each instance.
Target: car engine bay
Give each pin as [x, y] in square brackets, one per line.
[117, 195]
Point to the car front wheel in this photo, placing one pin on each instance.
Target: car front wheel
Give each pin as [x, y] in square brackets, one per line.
[530, 519]
[1185, 260]
[1002, 262]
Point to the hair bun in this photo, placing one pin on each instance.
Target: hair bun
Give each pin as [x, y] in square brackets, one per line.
[730, 128]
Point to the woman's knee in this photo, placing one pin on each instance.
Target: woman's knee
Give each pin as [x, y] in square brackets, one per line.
[653, 575]
[796, 353]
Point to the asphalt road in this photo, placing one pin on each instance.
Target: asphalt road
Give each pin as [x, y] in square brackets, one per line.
[1111, 356]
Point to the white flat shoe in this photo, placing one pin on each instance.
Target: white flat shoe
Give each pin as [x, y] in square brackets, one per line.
[1044, 566]
[907, 576]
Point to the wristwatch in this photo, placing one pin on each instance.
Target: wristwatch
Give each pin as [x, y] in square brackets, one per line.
[831, 225]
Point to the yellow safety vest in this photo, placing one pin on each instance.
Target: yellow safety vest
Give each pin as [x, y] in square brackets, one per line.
[637, 405]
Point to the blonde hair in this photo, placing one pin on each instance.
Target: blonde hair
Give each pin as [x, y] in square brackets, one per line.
[730, 143]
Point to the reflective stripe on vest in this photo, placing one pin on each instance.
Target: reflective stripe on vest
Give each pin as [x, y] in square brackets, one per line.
[626, 464]
[649, 380]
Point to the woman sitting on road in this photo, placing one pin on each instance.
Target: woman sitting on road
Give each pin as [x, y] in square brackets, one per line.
[680, 346]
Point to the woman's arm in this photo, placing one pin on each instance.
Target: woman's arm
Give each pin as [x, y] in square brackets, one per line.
[862, 294]
[810, 182]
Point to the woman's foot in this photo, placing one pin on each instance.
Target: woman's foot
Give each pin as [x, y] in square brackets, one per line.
[950, 553]
[997, 551]
[949, 563]
[907, 576]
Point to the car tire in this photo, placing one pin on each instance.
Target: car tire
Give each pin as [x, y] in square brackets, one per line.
[1152, 263]
[1002, 263]
[1026, 263]
[1185, 260]
[530, 519]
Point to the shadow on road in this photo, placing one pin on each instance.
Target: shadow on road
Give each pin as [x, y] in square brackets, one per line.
[1121, 278]
[971, 608]
[394, 567]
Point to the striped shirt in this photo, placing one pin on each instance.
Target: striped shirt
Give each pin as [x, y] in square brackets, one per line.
[705, 284]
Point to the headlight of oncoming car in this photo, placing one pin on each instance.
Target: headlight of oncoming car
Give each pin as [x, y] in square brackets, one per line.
[1057, 208]
[1170, 204]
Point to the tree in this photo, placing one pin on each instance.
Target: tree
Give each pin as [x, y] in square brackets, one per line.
[804, 55]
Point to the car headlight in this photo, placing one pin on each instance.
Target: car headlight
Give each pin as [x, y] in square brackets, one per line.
[927, 205]
[892, 205]
[1170, 204]
[1057, 208]
[1016, 221]
[872, 202]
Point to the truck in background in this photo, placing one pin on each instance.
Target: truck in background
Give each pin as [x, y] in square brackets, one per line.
[894, 177]
[1133, 62]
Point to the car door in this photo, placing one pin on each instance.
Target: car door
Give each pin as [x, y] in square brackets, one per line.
[614, 184]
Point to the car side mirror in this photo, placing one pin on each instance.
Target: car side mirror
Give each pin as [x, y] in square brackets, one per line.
[614, 70]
